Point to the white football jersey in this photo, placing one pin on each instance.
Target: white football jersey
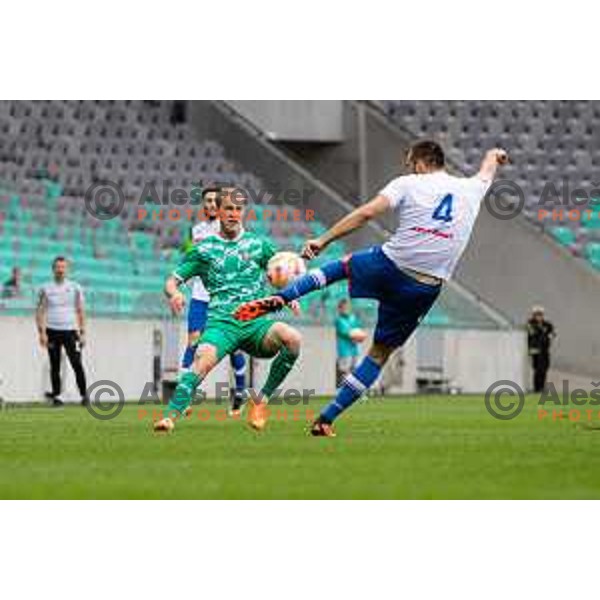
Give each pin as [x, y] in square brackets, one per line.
[435, 214]
[62, 300]
[201, 231]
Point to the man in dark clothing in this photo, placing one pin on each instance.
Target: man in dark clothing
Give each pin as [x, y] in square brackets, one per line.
[540, 334]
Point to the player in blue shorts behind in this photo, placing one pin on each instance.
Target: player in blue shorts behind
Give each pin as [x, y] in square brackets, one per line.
[435, 213]
[198, 309]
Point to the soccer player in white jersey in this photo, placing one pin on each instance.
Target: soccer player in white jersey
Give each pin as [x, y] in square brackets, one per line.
[198, 309]
[435, 214]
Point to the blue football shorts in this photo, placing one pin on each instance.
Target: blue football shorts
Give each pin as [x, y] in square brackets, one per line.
[403, 301]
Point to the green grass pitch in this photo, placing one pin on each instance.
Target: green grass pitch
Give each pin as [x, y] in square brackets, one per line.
[410, 447]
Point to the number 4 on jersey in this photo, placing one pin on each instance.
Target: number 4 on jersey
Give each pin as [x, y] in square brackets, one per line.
[443, 211]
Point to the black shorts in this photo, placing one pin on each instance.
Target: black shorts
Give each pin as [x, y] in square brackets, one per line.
[63, 337]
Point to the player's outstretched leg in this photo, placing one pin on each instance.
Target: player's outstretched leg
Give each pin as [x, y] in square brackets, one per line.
[315, 279]
[238, 365]
[353, 386]
[205, 361]
[283, 342]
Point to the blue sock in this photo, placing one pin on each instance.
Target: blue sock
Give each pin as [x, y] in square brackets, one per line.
[315, 279]
[238, 364]
[360, 380]
[188, 357]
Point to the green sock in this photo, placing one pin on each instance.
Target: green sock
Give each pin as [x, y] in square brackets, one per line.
[186, 388]
[280, 367]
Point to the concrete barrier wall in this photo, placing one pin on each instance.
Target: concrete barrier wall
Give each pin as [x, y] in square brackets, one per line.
[471, 360]
[476, 359]
[122, 351]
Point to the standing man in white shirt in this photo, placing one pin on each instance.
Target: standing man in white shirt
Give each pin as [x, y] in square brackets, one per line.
[435, 213]
[60, 320]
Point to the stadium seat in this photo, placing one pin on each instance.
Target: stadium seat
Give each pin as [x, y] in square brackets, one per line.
[563, 235]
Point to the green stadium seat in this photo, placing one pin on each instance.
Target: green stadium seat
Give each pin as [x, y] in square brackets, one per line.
[592, 251]
[595, 262]
[593, 222]
[437, 318]
[565, 236]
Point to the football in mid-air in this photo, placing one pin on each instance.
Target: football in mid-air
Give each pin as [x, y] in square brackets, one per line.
[284, 267]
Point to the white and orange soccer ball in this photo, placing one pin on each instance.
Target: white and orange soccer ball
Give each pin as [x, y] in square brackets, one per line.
[284, 267]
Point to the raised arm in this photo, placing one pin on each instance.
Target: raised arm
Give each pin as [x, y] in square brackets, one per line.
[355, 220]
[491, 161]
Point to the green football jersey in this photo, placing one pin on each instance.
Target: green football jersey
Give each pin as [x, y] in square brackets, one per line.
[233, 271]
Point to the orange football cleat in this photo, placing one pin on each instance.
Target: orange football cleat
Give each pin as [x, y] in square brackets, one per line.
[257, 308]
[257, 415]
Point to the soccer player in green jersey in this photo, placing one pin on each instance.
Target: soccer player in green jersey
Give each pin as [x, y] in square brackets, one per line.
[231, 264]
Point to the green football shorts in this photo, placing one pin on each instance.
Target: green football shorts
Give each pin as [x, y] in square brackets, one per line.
[227, 334]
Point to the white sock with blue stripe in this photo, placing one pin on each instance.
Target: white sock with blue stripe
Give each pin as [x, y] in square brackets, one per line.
[315, 279]
[353, 387]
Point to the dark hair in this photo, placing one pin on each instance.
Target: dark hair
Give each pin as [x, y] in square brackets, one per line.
[210, 189]
[343, 302]
[429, 152]
[58, 259]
